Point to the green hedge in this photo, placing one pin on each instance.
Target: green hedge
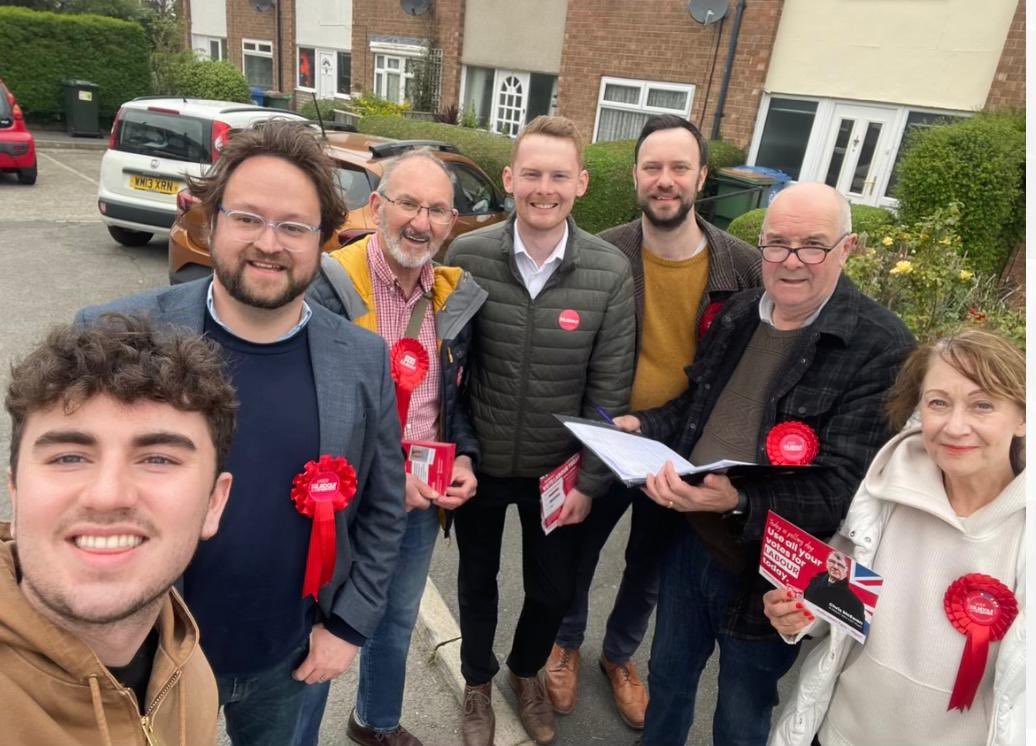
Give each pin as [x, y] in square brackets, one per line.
[39, 50]
[979, 162]
[218, 80]
[866, 219]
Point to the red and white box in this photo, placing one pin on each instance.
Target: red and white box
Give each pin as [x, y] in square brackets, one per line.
[431, 462]
[553, 489]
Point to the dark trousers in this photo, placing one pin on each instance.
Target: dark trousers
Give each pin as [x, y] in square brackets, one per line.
[638, 591]
[548, 577]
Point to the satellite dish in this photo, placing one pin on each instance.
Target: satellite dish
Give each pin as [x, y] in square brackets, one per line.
[707, 11]
[415, 7]
[263, 5]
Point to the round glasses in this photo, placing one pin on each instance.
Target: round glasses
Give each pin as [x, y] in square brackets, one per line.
[438, 214]
[247, 226]
[812, 252]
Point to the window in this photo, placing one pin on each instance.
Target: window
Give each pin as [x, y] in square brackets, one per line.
[354, 187]
[393, 77]
[257, 63]
[163, 135]
[520, 97]
[307, 68]
[624, 105]
[345, 66]
[217, 49]
[478, 93]
[472, 193]
[786, 135]
[916, 121]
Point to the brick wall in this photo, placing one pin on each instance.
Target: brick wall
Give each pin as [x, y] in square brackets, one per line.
[245, 22]
[1008, 88]
[443, 26]
[657, 40]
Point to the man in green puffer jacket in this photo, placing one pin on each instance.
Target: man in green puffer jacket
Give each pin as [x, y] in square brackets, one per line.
[555, 336]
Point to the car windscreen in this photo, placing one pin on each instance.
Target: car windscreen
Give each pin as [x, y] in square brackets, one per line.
[354, 186]
[164, 135]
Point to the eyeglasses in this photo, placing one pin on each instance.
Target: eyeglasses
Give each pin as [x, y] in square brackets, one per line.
[439, 215]
[813, 252]
[247, 226]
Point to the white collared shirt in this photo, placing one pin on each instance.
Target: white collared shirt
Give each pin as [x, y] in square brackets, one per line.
[306, 313]
[533, 275]
[766, 310]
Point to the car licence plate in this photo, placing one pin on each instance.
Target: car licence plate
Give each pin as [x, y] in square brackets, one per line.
[153, 184]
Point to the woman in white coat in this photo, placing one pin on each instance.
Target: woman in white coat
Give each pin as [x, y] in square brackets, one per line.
[940, 516]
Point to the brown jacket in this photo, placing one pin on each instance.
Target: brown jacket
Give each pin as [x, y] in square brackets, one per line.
[733, 265]
[55, 692]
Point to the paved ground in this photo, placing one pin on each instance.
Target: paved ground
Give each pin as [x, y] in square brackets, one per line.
[58, 257]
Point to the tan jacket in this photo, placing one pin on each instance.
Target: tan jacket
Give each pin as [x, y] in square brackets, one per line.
[55, 692]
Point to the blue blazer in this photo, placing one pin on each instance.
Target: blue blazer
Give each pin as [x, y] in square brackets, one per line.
[358, 420]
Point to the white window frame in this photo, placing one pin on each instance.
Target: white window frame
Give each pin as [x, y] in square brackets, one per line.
[641, 106]
[339, 94]
[812, 160]
[400, 52]
[298, 83]
[255, 48]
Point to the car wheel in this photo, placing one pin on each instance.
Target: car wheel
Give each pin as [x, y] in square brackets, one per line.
[27, 175]
[129, 238]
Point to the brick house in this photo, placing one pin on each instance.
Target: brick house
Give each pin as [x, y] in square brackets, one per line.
[824, 90]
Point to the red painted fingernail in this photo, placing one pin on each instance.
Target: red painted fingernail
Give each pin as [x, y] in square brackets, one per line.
[798, 606]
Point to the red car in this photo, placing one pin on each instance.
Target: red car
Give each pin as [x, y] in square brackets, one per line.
[17, 148]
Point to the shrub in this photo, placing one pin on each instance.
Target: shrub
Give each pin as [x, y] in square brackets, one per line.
[369, 105]
[218, 80]
[42, 49]
[610, 199]
[919, 272]
[491, 152]
[866, 220]
[308, 109]
[723, 154]
[980, 163]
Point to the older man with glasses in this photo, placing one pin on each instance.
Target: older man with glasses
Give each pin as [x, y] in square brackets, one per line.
[809, 356]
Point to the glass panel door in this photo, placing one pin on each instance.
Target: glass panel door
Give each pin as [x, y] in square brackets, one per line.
[511, 99]
[326, 81]
[858, 151]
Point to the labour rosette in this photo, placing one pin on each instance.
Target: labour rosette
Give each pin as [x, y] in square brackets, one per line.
[322, 489]
[409, 365]
[981, 608]
[707, 317]
[792, 443]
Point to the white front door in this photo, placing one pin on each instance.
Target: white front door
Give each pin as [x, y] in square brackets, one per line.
[858, 151]
[326, 74]
[510, 101]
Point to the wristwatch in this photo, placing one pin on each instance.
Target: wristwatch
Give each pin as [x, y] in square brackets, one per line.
[742, 504]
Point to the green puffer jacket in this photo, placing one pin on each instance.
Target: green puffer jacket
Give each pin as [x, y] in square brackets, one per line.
[561, 353]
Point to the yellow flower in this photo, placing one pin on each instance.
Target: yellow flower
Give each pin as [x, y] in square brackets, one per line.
[924, 236]
[887, 241]
[904, 236]
[966, 275]
[946, 241]
[903, 267]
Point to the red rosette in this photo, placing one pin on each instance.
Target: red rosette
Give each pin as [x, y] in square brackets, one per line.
[409, 365]
[792, 444]
[322, 489]
[982, 609]
[707, 317]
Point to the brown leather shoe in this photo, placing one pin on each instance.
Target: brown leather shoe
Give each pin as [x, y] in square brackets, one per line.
[479, 724]
[630, 695]
[534, 708]
[562, 671]
[369, 737]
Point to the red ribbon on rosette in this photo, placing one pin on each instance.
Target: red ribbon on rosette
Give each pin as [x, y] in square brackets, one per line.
[707, 317]
[981, 608]
[409, 366]
[792, 443]
[322, 489]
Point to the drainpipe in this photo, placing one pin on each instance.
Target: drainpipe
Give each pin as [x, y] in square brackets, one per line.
[279, 83]
[721, 102]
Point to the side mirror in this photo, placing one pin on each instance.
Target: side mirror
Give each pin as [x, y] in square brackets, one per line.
[508, 203]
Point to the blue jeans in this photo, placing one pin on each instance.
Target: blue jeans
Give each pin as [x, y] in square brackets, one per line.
[693, 597]
[638, 590]
[379, 699]
[263, 709]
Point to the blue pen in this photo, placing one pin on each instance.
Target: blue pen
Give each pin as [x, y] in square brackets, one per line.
[604, 414]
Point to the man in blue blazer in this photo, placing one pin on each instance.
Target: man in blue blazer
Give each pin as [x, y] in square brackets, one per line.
[309, 384]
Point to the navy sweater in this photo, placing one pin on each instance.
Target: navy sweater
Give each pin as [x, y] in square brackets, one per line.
[244, 585]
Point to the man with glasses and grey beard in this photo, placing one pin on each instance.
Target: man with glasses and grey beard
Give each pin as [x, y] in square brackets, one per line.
[388, 283]
[313, 389]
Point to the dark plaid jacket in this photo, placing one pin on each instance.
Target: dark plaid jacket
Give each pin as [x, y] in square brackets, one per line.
[835, 381]
[733, 265]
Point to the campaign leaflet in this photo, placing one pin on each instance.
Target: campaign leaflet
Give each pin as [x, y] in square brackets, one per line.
[430, 462]
[553, 489]
[834, 586]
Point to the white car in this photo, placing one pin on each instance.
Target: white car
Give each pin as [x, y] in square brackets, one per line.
[154, 143]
